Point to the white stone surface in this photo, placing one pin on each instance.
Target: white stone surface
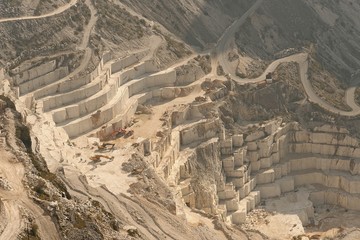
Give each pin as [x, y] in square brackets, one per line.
[331, 129]
[126, 61]
[136, 72]
[238, 140]
[286, 184]
[251, 146]
[265, 146]
[192, 73]
[117, 104]
[255, 136]
[239, 157]
[269, 190]
[43, 80]
[267, 176]
[253, 156]
[199, 132]
[34, 72]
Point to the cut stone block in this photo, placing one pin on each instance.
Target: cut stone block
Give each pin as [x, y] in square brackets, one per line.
[267, 176]
[269, 190]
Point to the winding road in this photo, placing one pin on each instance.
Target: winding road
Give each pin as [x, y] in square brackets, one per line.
[220, 55]
[55, 12]
[121, 205]
[223, 45]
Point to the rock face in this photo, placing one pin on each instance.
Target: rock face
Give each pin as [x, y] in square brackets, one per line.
[267, 162]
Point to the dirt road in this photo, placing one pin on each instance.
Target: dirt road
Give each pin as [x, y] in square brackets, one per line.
[55, 12]
[17, 198]
[220, 55]
[223, 44]
[350, 99]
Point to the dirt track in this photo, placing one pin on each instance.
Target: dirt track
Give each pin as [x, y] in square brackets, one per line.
[57, 11]
[17, 198]
[221, 55]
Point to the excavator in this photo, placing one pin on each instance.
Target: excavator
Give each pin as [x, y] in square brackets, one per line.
[97, 157]
[122, 132]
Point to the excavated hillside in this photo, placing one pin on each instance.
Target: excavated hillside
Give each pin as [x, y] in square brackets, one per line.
[133, 119]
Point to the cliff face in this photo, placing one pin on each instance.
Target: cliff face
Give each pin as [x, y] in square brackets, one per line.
[41, 197]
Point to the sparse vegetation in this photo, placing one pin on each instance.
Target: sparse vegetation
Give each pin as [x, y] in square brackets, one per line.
[204, 62]
[220, 70]
[176, 47]
[31, 233]
[116, 24]
[327, 86]
[357, 96]
[29, 39]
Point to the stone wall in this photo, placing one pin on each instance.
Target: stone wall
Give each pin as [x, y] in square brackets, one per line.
[137, 71]
[70, 84]
[99, 78]
[73, 96]
[188, 74]
[122, 63]
[41, 81]
[331, 144]
[26, 75]
[200, 131]
[85, 107]
[270, 160]
[121, 107]
[85, 124]
[62, 87]
[326, 156]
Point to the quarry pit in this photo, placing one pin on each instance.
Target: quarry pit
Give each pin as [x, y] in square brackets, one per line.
[147, 143]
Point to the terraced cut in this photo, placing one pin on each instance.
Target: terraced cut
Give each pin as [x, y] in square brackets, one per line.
[165, 137]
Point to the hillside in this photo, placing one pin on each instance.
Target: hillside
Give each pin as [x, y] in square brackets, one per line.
[189, 119]
[332, 28]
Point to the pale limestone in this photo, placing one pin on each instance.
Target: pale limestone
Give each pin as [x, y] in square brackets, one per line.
[265, 146]
[253, 156]
[301, 136]
[322, 138]
[267, 176]
[271, 127]
[344, 151]
[35, 72]
[251, 146]
[255, 136]
[286, 184]
[269, 190]
[238, 140]
[255, 166]
[239, 157]
[265, 162]
[331, 129]
[275, 158]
